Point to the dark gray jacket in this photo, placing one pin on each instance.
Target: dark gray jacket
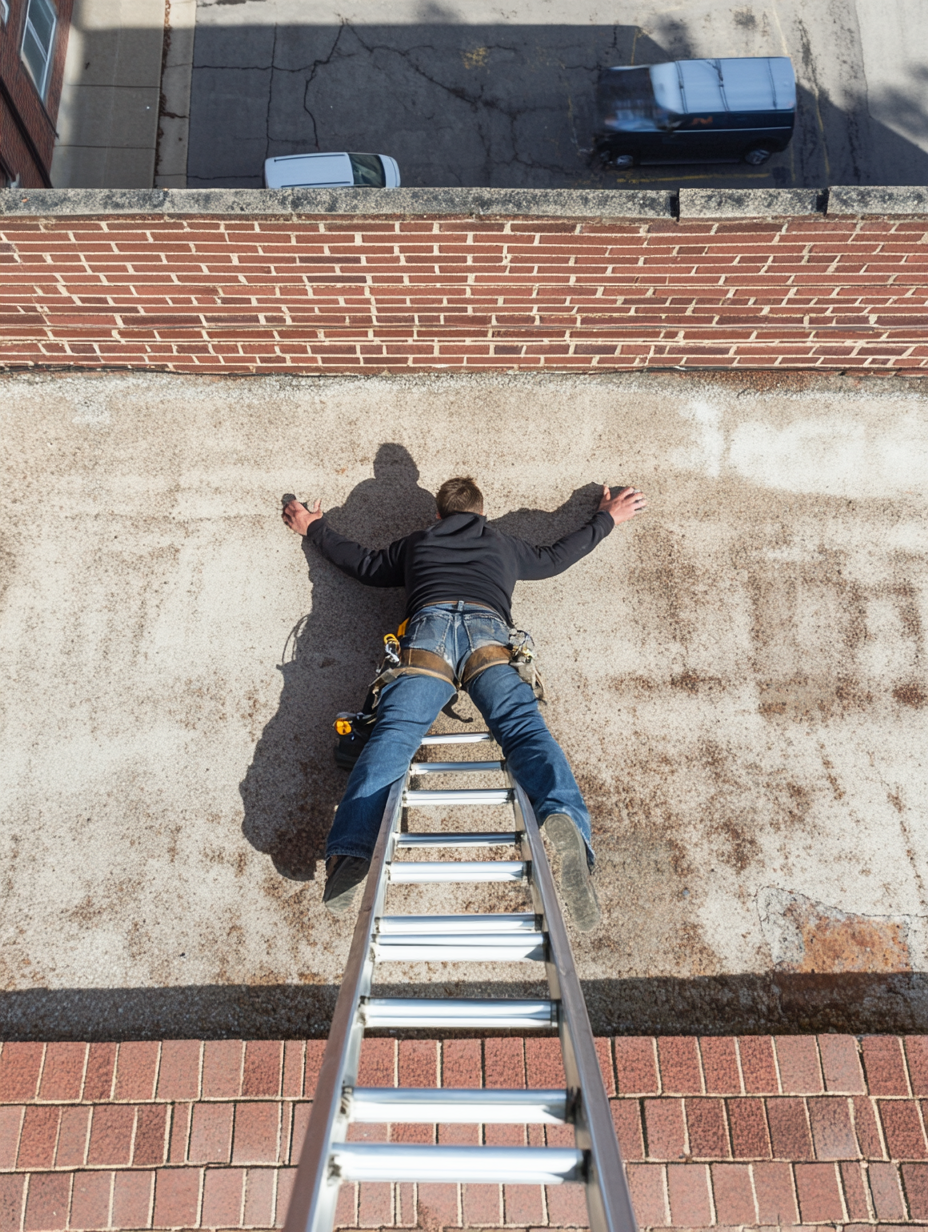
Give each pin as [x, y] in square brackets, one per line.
[458, 557]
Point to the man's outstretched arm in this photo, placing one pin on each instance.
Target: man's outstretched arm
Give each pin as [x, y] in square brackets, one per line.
[545, 562]
[367, 565]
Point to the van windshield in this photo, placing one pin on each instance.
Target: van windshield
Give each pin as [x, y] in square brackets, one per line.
[367, 170]
[627, 104]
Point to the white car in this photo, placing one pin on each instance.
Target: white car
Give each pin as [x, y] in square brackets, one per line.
[332, 171]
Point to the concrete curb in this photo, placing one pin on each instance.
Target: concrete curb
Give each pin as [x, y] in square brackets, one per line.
[749, 202]
[875, 201]
[687, 204]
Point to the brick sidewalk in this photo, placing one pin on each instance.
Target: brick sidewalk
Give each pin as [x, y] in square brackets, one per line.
[752, 1132]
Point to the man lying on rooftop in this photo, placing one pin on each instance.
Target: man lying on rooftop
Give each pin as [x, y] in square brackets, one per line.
[459, 574]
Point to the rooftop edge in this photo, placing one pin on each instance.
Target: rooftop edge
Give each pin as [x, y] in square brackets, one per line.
[685, 204]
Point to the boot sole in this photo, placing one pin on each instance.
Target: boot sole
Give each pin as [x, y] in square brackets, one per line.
[342, 900]
[576, 887]
[340, 904]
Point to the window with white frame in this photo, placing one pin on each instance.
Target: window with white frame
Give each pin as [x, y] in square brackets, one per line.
[39, 41]
[4, 12]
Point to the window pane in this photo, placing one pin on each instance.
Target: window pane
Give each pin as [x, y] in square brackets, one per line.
[42, 18]
[367, 170]
[626, 102]
[38, 38]
[34, 55]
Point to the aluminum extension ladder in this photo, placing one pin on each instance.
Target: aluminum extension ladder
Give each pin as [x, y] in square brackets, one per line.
[327, 1158]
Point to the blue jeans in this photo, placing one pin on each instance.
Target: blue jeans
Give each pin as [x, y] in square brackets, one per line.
[408, 707]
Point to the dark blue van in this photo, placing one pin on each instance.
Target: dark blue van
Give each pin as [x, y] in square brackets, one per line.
[696, 111]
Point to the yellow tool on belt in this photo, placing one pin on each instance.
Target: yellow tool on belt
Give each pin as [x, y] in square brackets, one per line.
[345, 724]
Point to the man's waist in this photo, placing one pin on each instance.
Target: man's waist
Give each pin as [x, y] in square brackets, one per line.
[456, 604]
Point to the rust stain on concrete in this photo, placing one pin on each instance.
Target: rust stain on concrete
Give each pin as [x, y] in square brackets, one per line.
[910, 695]
[809, 938]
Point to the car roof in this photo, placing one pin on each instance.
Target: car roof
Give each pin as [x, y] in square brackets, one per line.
[309, 170]
[743, 83]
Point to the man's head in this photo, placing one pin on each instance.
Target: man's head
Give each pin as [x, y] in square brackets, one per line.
[460, 495]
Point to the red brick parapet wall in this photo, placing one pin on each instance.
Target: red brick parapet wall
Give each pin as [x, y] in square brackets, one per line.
[749, 1132]
[335, 293]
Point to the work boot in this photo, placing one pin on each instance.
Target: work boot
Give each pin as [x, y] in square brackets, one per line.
[575, 884]
[343, 875]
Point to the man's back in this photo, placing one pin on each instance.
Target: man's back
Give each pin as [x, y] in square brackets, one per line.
[460, 556]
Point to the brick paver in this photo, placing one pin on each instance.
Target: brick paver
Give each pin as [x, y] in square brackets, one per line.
[758, 1065]
[718, 1132]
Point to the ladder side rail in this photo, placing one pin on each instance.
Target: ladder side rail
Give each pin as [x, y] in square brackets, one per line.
[609, 1202]
[315, 1192]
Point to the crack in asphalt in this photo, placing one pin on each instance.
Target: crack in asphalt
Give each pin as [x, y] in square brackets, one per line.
[312, 69]
[496, 134]
[478, 102]
[270, 99]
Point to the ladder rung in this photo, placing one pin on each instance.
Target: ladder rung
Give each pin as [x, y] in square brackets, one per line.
[377, 1105]
[453, 767]
[458, 1012]
[504, 838]
[405, 872]
[420, 797]
[456, 738]
[401, 1161]
[459, 947]
[519, 922]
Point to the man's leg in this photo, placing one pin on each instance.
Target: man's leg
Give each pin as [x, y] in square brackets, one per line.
[406, 711]
[511, 712]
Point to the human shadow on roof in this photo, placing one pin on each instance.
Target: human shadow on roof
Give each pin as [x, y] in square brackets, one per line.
[292, 786]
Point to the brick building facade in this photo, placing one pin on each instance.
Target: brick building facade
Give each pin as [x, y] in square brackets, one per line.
[250, 282]
[33, 42]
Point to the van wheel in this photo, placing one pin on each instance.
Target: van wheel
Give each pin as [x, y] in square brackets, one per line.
[622, 162]
[757, 155]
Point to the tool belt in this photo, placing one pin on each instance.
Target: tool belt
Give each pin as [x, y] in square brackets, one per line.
[354, 729]
[403, 661]
[414, 662]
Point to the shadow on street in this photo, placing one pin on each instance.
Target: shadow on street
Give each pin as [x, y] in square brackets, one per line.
[494, 106]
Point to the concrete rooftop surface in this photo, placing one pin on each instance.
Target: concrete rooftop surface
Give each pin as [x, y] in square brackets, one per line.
[738, 678]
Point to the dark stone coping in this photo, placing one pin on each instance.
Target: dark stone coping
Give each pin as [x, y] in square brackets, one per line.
[686, 204]
[852, 1003]
[402, 202]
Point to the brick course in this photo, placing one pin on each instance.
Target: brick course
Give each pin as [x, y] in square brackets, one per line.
[337, 294]
[187, 1134]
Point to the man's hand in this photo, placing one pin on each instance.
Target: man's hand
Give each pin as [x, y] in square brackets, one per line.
[624, 506]
[299, 518]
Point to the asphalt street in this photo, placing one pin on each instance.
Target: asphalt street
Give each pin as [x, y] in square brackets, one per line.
[495, 95]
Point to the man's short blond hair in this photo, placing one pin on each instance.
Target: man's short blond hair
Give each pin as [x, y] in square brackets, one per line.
[459, 495]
